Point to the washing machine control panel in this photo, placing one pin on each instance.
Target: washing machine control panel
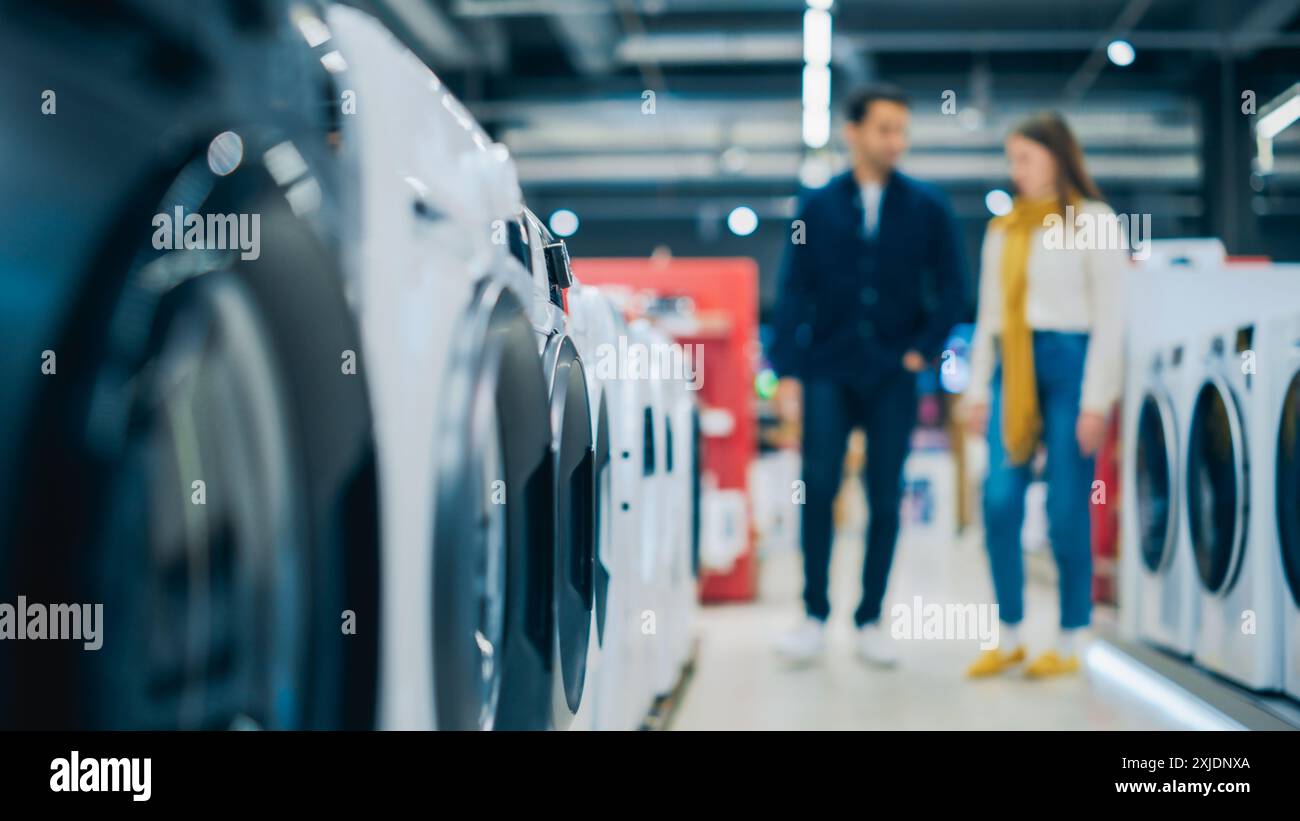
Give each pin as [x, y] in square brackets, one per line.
[558, 270]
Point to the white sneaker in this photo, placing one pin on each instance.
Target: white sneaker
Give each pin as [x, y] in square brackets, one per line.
[875, 646]
[804, 643]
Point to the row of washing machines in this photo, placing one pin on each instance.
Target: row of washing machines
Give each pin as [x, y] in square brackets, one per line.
[357, 469]
[1211, 520]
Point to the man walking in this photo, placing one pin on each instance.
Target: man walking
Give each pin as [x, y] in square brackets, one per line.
[865, 302]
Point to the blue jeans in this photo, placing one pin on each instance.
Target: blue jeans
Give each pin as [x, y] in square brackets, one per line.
[1058, 369]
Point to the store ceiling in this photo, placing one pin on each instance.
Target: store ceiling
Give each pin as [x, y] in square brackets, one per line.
[562, 82]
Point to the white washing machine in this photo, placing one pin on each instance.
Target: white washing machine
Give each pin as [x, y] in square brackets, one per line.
[627, 693]
[1278, 473]
[600, 334]
[684, 514]
[462, 408]
[1166, 298]
[574, 456]
[662, 530]
[592, 331]
[1238, 566]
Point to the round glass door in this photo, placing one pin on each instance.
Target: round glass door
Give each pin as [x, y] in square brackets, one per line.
[1288, 486]
[1216, 486]
[1154, 472]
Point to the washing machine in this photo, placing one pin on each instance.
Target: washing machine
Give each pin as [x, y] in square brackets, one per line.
[1278, 466]
[661, 510]
[182, 440]
[1167, 297]
[574, 454]
[596, 329]
[656, 456]
[1238, 568]
[684, 514]
[624, 690]
[462, 407]
[646, 607]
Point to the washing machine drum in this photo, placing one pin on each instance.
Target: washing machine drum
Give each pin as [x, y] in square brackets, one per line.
[575, 520]
[1217, 491]
[1155, 471]
[203, 468]
[1288, 486]
[494, 538]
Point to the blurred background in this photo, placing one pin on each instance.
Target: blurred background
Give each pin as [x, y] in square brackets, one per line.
[687, 128]
[1154, 89]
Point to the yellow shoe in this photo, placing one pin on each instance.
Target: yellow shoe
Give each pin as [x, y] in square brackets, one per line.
[994, 661]
[1051, 664]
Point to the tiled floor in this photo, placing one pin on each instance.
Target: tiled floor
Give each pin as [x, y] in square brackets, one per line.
[739, 683]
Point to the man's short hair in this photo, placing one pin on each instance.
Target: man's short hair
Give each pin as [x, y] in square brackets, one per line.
[858, 105]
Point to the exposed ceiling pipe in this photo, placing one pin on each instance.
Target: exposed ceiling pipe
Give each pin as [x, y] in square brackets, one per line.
[534, 8]
[527, 8]
[1087, 74]
[1262, 23]
[787, 47]
[652, 74]
[588, 39]
[655, 167]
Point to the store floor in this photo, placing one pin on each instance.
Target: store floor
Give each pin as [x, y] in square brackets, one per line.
[739, 683]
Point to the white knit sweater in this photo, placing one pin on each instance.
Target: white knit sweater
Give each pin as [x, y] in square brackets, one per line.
[1069, 290]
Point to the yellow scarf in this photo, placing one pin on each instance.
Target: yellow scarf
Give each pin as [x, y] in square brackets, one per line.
[1021, 421]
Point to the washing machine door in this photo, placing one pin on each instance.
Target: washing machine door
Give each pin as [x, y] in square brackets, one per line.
[697, 445]
[1288, 486]
[204, 470]
[575, 514]
[1217, 490]
[1155, 473]
[604, 514]
[493, 534]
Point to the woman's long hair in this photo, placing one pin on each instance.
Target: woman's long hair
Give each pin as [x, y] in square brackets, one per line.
[1049, 129]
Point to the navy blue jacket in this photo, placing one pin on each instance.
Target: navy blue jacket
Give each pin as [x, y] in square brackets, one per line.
[847, 306]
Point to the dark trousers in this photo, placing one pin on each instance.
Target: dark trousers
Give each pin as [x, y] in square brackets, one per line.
[886, 411]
